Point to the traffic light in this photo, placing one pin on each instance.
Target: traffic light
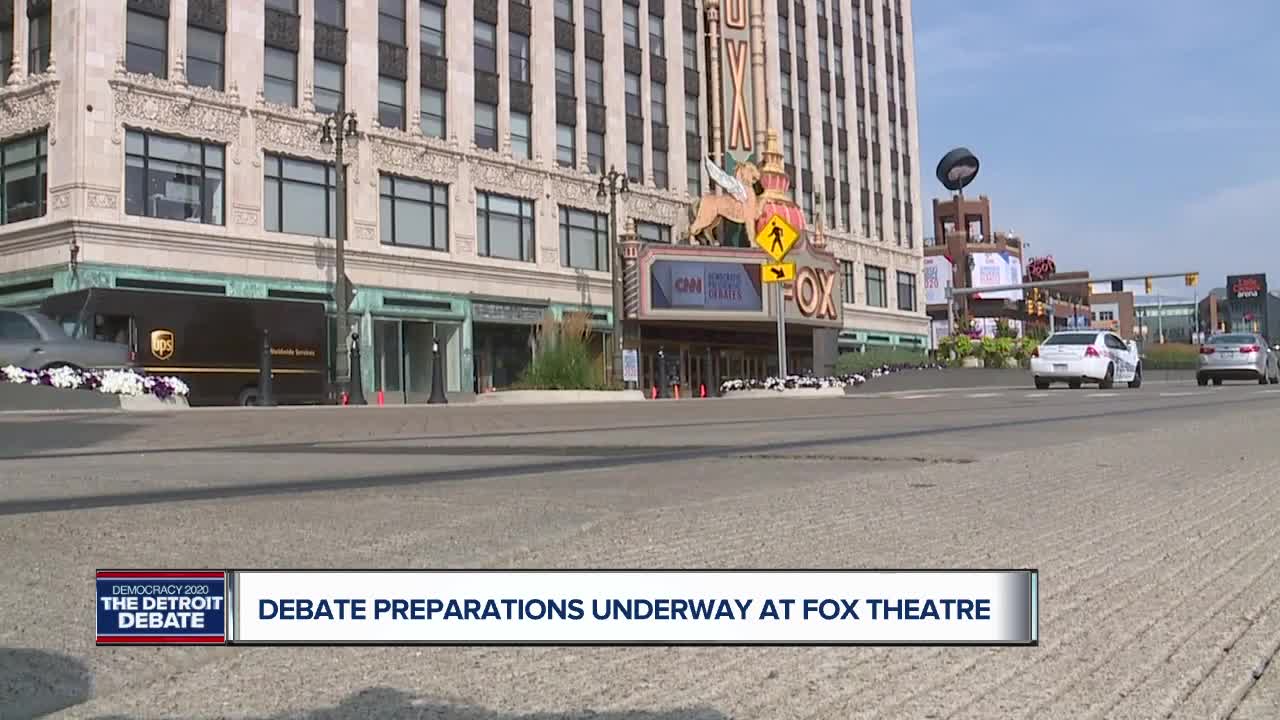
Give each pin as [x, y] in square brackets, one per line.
[1192, 279]
[1148, 286]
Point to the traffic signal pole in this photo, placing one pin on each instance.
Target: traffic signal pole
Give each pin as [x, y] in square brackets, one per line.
[965, 291]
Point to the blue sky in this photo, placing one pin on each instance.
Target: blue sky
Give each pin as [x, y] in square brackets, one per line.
[1118, 136]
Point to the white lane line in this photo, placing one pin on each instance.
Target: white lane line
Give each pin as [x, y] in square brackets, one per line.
[1178, 394]
[1265, 392]
[983, 395]
[1038, 394]
[922, 396]
[1102, 394]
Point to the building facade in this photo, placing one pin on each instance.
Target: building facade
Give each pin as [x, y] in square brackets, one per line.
[1113, 311]
[177, 145]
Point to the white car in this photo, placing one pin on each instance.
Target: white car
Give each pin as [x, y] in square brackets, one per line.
[1086, 356]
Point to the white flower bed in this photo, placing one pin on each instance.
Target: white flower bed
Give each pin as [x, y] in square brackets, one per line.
[111, 382]
[793, 382]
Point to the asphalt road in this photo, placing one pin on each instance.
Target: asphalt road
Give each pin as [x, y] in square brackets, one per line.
[1153, 516]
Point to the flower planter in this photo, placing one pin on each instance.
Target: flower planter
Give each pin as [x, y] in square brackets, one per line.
[972, 362]
[125, 383]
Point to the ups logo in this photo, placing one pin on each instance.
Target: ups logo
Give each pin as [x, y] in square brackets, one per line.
[162, 344]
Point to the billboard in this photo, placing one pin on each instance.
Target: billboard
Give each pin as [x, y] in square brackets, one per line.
[1246, 287]
[718, 286]
[994, 270]
[938, 274]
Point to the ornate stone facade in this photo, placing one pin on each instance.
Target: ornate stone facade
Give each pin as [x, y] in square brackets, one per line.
[29, 106]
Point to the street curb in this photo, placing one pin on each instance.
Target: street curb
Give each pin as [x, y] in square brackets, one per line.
[558, 397]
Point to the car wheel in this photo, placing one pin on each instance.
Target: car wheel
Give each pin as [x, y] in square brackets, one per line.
[1136, 382]
[1107, 382]
[1217, 382]
[1042, 384]
[1202, 380]
[248, 397]
[1074, 384]
[1275, 380]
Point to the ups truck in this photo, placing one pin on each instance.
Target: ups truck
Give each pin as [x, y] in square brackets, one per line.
[213, 343]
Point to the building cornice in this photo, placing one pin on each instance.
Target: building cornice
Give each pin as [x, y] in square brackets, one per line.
[29, 106]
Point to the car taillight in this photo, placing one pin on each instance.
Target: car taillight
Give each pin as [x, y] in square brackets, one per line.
[1091, 351]
[1206, 350]
[1249, 348]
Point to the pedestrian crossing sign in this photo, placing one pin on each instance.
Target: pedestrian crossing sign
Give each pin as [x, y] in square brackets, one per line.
[777, 237]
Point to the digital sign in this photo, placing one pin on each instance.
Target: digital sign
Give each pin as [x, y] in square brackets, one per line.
[721, 286]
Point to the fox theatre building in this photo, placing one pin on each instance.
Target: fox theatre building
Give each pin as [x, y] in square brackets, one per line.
[706, 313]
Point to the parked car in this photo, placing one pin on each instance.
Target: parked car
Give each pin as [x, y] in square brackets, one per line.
[31, 340]
[1237, 356]
[1086, 356]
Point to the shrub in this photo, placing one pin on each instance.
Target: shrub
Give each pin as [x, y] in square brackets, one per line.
[856, 363]
[996, 351]
[563, 358]
[1005, 329]
[1170, 356]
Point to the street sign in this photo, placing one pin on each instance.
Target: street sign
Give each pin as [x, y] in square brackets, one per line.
[777, 238]
[777, 272]
[631, 365]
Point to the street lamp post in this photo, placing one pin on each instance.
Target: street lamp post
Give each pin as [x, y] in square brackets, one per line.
[334, 133]
[613, 184]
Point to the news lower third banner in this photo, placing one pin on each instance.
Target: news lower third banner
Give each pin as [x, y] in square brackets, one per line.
[568, 607]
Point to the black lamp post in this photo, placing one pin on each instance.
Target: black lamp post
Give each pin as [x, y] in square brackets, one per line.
[437, 373]
[334, 132]
[613, 184]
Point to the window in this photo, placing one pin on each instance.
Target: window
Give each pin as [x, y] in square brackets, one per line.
[824, 60]
[632, 81]
[906, 292]
[518, 53]
[13, 326]
[390, 102]
[23, 184]
[413, 213]
[146, 49]
[829, 160]
[875, 287]
[635, 162]
[331, 12]
[805, 159]
[521, 131]
[433, 117]
[631, 25]
[486, 47]
[691, 120]
[172, 178]
[289, 6]
[829, 205]
[204, 58]
[693, 170]
[658, 102]
[848, 288]
[844, 166]
[330, 86]
[784, 34]
[504, 227]
[839, 64]
[788, 146]
[806, 203]
[39, 41]
[6, 52]
[566, 146]
[822, 8]
[866, 223]
[595, 152]
[280, 77]
[802, 88]
[785, 85]
[690, 50]
[660, 178]
[298, 197]
[595, 20]
[584, 239]
[657, 45]
[391, 21]
[595, 81]
[802, 51]
[653, 232]
[564, 73]
[486, 126]
[564, 10]
[431, 29]
[840, 118]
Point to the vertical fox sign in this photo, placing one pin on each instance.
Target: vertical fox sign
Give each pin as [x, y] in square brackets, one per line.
[736, 41]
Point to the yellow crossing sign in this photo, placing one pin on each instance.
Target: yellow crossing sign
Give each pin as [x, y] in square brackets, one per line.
[777, 238]
[777, 272]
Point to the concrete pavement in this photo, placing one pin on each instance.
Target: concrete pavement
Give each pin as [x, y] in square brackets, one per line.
[1153, 516]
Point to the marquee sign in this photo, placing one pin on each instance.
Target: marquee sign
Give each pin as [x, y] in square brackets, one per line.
[1247, 287]
[736, 40]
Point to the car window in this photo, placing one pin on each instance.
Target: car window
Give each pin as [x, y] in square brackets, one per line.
[14, 326]
[1113, 342]
[1072, 339]
[1233, 340]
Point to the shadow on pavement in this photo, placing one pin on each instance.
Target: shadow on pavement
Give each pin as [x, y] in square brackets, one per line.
[35, 683]
[25, 435]
[392, 704]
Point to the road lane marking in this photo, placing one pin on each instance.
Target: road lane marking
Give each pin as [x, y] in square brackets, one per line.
[1178, 394]
[920, 396]
[1103, 394]
[1038, 394]
[983, 395]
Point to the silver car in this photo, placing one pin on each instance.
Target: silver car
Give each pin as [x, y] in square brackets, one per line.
[33, 341]
[1237, 356]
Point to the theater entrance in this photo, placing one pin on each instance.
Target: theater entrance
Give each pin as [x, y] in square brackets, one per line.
[709, 356]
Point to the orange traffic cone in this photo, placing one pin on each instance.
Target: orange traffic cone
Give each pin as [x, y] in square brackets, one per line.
[655, 393]
[380, 400]
[702, 390]
[677, 387]
[344, 398]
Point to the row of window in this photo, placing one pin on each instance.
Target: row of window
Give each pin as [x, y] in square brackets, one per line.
[877, 292]
[39, 44]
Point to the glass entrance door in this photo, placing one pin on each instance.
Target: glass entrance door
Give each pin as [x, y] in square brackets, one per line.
[403, 357]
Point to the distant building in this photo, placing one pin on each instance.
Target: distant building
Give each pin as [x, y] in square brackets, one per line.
[1164, 319]
[1113, 311]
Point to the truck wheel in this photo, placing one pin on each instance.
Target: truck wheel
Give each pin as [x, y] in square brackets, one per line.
[248, 397]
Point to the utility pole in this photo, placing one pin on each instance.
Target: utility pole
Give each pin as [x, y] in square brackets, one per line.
[334, 132]
[613, 184]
